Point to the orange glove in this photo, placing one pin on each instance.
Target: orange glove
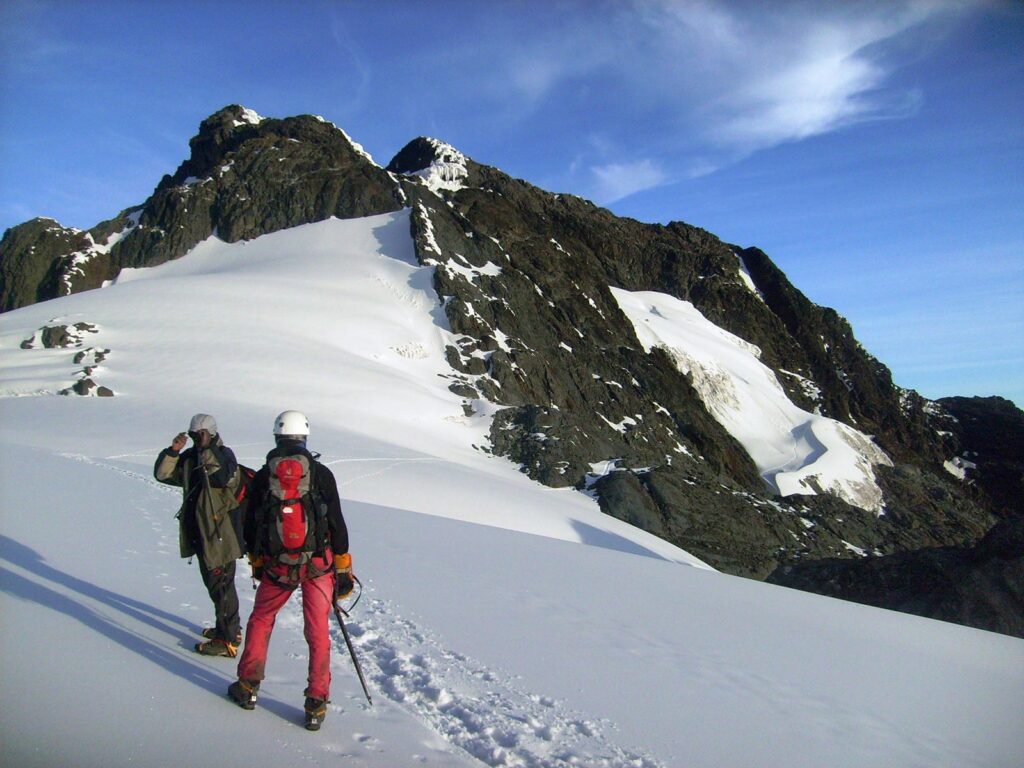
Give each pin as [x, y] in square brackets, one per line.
[343, 581]
[256, 563]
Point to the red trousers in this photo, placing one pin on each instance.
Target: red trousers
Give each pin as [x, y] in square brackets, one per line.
[317, 595]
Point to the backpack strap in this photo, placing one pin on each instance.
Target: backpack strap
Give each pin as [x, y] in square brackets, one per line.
[318, 507]
[260, 513]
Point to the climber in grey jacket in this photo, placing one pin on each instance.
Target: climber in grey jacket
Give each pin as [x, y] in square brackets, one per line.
[208, 475]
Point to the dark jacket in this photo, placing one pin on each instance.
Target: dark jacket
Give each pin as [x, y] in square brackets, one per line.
[325, 484]
[205, 525]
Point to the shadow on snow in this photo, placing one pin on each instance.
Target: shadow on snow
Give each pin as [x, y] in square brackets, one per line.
[59, 596]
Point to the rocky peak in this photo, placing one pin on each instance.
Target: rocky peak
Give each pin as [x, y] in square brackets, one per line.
[30, 256]
[218, 134]
[237, 129]
[440, 165]
[422, 152]
[221, 126]
[246, 176]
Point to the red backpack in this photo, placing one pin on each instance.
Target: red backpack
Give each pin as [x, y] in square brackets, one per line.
[294, 518]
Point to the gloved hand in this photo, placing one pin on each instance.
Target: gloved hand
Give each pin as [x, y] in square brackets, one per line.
[256, 563]
[343, 581]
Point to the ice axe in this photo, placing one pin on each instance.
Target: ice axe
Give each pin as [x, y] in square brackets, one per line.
[338, 610]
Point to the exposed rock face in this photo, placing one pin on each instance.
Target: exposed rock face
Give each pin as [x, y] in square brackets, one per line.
[989, 434]
[31, 255]
[526, 280]
[980, 586]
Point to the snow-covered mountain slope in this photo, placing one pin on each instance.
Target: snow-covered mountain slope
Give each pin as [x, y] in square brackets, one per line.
[336, 319]
[504, 623]
[796, 452]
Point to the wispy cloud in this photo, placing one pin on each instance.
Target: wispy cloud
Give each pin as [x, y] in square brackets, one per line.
[790, 72]
[351, 54]
[618, 180]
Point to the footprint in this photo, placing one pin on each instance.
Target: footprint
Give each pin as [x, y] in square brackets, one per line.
[477, 709]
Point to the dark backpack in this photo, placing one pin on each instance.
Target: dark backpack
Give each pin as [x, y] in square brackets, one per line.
[245, 476]
[242, 482]
[293, 519]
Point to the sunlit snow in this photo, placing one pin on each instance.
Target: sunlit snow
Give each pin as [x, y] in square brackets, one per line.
[447, 171]
[747, 279]
[249, 117]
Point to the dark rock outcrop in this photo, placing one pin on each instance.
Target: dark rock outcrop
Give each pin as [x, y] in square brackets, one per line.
[59, 336]
[980, 586]
[989, 445]
[66, 336]
[86, 387]
[31, 257]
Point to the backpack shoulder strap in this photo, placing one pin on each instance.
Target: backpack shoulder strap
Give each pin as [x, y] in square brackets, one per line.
[314, 465]
[261, 516]
[318, 505]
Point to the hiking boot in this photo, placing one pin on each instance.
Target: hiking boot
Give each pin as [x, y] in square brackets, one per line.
[243, 693]
[210, 633]
[316, 711]
[217, 647]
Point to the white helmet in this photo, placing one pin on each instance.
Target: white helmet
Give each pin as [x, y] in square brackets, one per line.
[291, 424]
[203, 421]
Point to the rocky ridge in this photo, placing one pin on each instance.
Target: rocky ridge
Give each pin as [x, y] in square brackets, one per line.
[525, 280]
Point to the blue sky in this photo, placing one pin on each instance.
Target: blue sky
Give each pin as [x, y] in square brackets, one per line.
[875, 150]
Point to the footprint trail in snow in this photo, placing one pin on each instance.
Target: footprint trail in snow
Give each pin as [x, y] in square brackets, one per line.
[477, 709]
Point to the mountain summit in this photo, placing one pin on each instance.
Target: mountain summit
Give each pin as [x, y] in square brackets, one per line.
[683, 382]
[246, 176]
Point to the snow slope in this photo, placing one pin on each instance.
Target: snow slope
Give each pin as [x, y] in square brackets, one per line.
[504, 623]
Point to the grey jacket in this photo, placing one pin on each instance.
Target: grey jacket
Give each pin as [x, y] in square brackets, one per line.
[205, 524]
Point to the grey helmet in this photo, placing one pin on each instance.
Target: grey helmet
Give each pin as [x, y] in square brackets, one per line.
[203, 421]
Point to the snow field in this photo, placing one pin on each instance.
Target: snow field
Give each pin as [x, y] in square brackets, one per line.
[479, 644]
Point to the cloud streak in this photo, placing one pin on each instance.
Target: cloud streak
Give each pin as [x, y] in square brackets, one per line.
[618, 180]
[704, 84]
[788, 74]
